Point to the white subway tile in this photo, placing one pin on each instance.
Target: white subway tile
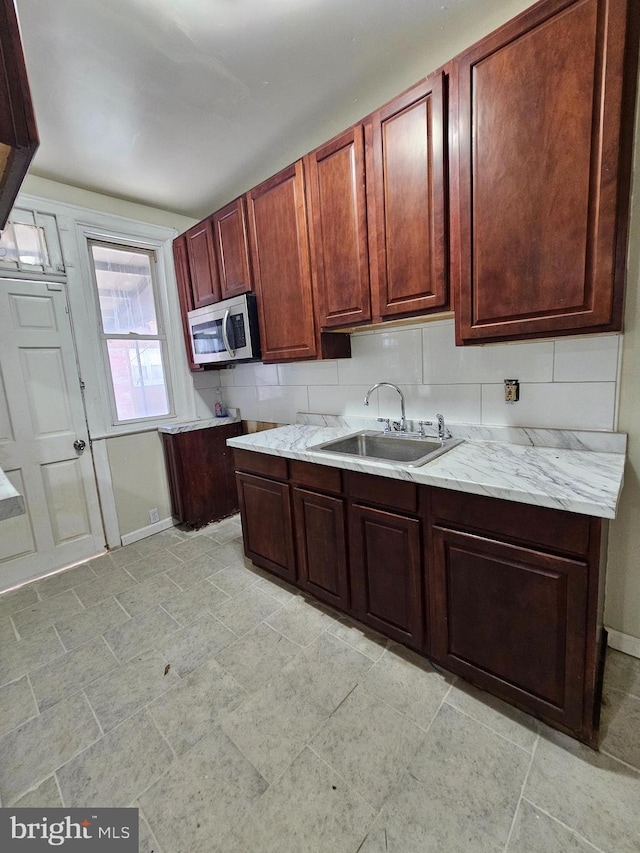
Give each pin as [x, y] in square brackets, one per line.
[342, 400]
[206, 402]
[279, 404]
[586, 359]
[308, 373]
[245, 399]
[561, 405]
[227, 376]
[207, 379]
[458, 403]
[393, 356]
[445, 363]
[255, 374]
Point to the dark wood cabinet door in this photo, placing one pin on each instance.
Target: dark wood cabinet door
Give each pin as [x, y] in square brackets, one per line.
[185, 296]
[202, 264]
[511, 620]
[338, 232]
[406, 181]
[281, 268]
[544, 145]
[232, 249]
[321, 546]
[267, 527]
[386, 573]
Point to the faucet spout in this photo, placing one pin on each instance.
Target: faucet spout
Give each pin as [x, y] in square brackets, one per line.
[403, 420]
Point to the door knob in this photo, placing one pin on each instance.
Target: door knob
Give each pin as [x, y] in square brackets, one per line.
[79, 445]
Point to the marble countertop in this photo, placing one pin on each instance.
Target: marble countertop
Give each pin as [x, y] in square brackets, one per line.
[204, 423]
[584, 481]
[11, 502]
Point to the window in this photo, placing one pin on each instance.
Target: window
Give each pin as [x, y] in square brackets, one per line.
[132, 331]
[30, 243]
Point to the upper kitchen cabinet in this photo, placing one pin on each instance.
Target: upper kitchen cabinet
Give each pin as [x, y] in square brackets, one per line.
[18, 132]
[203, 269]
[282, 271]
[545, 129]
[232, 249]
[406, 188]
[185, 294]
[338, 230]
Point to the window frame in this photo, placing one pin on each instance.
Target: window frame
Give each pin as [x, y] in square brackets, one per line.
[105, 337]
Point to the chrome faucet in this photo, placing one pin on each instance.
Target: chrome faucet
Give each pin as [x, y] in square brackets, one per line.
[401, 425]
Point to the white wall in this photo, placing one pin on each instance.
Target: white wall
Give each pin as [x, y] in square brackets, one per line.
[565, 383]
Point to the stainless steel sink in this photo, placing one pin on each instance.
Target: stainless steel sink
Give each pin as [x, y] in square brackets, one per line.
[389, 447]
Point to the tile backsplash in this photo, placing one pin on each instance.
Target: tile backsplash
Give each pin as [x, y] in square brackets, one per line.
[568, 383]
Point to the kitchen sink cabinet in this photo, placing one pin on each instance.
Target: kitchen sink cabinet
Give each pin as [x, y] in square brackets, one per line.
[544, 128]
[232, 249]
[338, 230]
[510, 605]
[205, 284]
[407, 193]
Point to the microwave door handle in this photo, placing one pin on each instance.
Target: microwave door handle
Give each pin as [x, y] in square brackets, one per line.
[225, 336]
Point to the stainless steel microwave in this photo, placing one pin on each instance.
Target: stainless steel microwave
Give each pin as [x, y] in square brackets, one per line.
[226, 331]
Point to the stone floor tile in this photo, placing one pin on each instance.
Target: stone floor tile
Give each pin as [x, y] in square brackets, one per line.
[71, 672]
[110, 581]
[415, 821]
[147, 594]
[55, 584]
[203, 795]
[78, 629]
[311, 809]
[24, 655]
[409, 684]
[223, 531]
[620, 727]
[140, 632]
[120, 693]
[247, 610]
[369, 744]
[280, 590]
[232, 554]
[45, 613]
[503, 719]
[476, 774]
[152, 565]
[536, 832]
[300, 621]
[17, 599]
[257, 656]
[121, 557]
[194, 602]
[188, 574]
[591, 793]
[188, 711]
[7, 632]
[45, 796]
[147, 842]
[17, 704]
[190, 548]
[35, 749]
[363, 639]
[159, 541]
[273, 725]
[192, 645]
[327, 671]
[234, 579]
[117, 768]
[622, 672]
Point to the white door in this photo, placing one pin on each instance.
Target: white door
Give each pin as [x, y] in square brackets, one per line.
[41, 416]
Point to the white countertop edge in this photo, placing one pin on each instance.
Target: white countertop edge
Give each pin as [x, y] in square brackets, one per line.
[205, 423]
[582, 481]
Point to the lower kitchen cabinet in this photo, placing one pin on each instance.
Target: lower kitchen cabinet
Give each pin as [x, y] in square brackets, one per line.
[200, 472]
[386, 573]
[267, 527]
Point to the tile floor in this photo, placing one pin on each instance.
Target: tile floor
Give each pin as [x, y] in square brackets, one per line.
[240, 718]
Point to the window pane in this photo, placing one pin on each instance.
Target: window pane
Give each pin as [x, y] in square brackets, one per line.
[23, 243]
[137, 372]
[125, 290]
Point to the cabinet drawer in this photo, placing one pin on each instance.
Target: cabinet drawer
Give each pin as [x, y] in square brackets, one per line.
[316, 476]
[261, 463]
[551, 529]
[381, 490]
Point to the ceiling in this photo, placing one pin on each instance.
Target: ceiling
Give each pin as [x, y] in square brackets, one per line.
[184, 104]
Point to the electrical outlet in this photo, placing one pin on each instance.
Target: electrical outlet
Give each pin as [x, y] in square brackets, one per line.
[511, 390]
[154, 515]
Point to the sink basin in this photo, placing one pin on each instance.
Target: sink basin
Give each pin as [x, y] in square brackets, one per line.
[384, 447]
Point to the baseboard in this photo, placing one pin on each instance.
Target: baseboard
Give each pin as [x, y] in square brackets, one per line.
[624, 643]
[149, 530]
